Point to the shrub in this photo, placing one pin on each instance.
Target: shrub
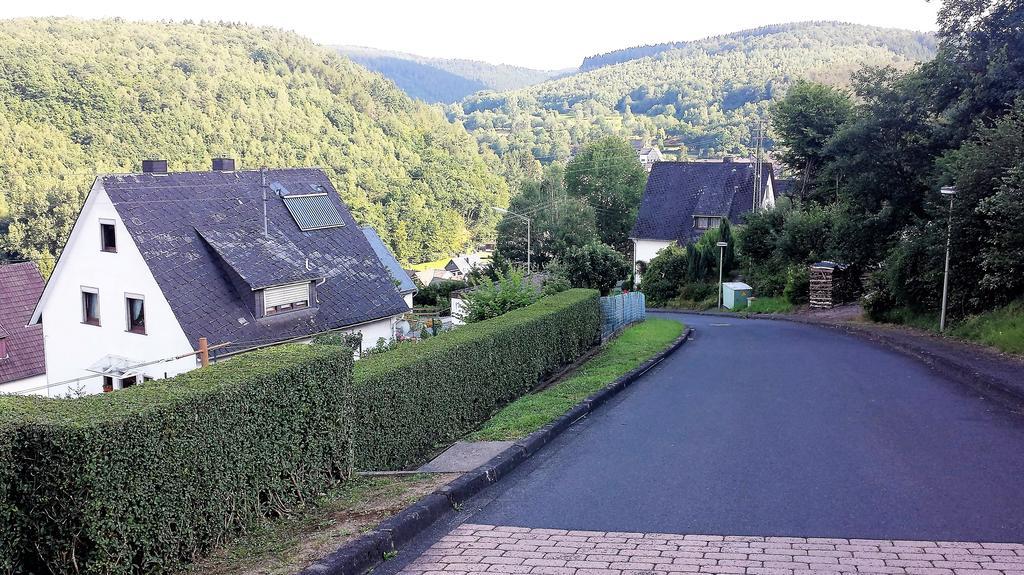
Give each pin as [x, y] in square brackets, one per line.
[798, 285]
[491, 299]
[418, 397]
[145, 479]
[595, 266]
[438, 294]
[555, 284]
[665, 275]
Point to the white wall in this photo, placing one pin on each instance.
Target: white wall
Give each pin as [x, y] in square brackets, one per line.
[644, 251]
[20, 385]
[459, 310]
[408, 299]
[72, 346]
[375, 330]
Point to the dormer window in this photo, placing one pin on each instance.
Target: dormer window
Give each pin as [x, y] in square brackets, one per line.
[706, 222]
[281, 299]
[108, 236]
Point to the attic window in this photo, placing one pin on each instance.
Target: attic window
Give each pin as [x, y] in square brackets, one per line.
[313, 211]
[108, 236]
[285, 298]
[706, 222]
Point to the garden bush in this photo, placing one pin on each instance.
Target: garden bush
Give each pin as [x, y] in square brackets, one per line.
[420, 396]
[145, 479]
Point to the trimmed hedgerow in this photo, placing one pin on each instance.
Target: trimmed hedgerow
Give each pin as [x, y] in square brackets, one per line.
[419, 396]
[145, 479]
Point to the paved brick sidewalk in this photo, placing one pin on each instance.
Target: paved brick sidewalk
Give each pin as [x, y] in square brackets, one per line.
[495, 549]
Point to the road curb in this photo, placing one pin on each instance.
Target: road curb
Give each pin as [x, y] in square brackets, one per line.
[994, 387]
[372, 549]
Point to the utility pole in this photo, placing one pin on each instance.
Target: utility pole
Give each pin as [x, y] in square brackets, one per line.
[951, 192]
[721, 269]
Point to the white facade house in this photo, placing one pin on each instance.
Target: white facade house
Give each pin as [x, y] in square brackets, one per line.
[682, 200]
[77, 346]
[158, 260]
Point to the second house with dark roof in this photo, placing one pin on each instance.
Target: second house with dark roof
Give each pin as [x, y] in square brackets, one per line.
[683, 200]
[245, 259]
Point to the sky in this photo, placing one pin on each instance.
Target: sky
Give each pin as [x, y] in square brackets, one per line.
[544, 34]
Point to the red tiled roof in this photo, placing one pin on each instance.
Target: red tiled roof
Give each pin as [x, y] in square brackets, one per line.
[20, 288]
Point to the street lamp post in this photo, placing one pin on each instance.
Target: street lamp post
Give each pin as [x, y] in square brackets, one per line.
[951, 192]
[721, 269]
[521, 216]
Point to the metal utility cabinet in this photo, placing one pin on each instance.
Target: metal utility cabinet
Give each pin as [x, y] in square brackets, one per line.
[736, 294]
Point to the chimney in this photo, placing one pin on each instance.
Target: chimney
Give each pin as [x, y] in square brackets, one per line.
[223, 164]
[727, 159]
[156, 167]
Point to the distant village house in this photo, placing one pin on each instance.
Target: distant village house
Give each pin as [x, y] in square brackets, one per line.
[683, 200]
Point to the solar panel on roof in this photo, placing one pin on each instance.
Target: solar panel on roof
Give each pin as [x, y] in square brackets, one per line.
[313, 211]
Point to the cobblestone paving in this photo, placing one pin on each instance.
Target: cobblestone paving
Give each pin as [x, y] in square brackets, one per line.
[495, 549]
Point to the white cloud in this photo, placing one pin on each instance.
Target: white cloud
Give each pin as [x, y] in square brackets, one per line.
[539, 34]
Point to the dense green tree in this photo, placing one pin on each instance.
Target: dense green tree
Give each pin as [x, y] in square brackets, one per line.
[804, 122]
[557, 221]
[595, 266]
[703, 98]
[608, 177]
[79, 98]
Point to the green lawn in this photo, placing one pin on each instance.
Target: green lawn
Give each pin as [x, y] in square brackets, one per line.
[1002, 328]
[768, 305]
[434, 265]
[529, 413]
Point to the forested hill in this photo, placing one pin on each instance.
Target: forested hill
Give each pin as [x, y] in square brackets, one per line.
[443, 80]
[81, 97]
[914, 45]
[702, 98]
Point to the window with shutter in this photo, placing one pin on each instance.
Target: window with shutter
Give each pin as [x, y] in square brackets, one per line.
[285, 298]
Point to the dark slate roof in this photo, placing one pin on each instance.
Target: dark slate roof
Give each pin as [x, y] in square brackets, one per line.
[198, 274]
[784, 186]
[678, 191]
[261, 261]
[385, 256]
[20, 288]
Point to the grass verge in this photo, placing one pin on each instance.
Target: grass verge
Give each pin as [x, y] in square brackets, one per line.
[1001, 328]
[288, 544]
[777, 304]
[531, 412]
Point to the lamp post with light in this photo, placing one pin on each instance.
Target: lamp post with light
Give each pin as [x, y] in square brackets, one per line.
[721, 269]
[951, 193]
[520, 216]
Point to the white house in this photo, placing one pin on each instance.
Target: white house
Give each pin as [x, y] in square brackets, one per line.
[683, 200]
[461, 265]
[22, 362]
[246, 259]
[647, 154]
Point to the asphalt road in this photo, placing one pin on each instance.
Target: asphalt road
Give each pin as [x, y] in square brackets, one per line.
[773, 428]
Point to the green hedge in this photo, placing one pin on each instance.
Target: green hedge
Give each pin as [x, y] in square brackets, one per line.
[418, 396]
[145, 479]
